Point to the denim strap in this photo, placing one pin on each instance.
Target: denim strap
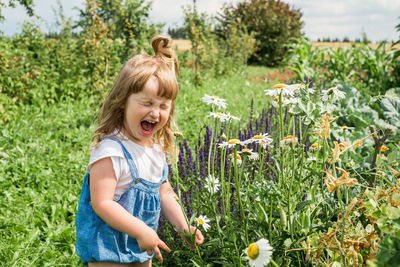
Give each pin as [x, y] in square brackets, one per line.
[131, 163]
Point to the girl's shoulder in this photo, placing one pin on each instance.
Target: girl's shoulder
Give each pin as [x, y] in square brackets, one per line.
[107, 147]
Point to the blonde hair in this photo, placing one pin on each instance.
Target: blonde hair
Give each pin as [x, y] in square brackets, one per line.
[132, 78]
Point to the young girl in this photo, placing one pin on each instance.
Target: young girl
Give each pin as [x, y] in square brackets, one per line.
[126, 186]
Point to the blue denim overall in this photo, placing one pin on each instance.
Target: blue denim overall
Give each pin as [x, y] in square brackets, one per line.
[97, 241]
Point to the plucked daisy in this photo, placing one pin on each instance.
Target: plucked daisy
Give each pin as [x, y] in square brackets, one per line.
[259, 253]
[230, 143]
[212, 184]
[223, 117]
[214, 100]
[249, 152]
[203, 222]
[281, 88]
[332, 93]
[263, 139]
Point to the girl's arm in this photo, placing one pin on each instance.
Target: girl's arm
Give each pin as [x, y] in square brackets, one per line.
[102, 189]
[171, 209]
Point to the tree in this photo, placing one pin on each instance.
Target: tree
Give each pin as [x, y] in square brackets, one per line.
[273, 23]
[27, 4]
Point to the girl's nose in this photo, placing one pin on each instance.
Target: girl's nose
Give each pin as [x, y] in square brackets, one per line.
[155, 113]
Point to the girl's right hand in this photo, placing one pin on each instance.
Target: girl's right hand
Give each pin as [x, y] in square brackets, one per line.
[149, 241]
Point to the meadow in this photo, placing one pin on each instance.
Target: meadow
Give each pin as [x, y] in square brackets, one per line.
[296, 165]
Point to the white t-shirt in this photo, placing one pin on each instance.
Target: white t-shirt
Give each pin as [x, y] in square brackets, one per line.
[149, 162]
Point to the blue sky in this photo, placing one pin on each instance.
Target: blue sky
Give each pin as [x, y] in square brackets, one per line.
[322, 18]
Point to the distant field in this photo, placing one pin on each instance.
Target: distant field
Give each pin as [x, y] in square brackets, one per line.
[184, 45]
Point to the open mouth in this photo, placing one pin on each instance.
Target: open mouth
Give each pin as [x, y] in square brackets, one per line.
[148, 126]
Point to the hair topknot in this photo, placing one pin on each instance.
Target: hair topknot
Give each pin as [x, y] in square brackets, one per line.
[163, 49]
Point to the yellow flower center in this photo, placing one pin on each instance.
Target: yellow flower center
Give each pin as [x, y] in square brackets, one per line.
[301, 86]
[289, 137]
[279, 86]
[259, 136]
[238, 157]
[252, 251]
[343, 127]
[314, 145]
[219, 114]
[216, 97]
[233, 141]
[200, 221]
[245, 150]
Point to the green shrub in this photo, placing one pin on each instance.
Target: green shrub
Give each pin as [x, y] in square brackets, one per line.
[273, 23]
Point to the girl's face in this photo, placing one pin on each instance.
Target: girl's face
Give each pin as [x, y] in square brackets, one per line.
[146, 113]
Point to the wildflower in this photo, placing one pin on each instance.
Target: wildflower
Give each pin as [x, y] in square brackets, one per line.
[281, 89]
[315, 146]
[343, 146]
[332, 93]
[336, 153]
[285, 101]
[334, 183]
[214, 100]
[384, 148]
[259, 253]
[357, 143]
[344, 128]
[289, 140]
[312, 159]
[395, 173]
[223, 117]
[176, 134]
[238, 158]
[259, 138]
[230, 143]
[203, 221]
[212, 184]
[325, 126]
[249, 152]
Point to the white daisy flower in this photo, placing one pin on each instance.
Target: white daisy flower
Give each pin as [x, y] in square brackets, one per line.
[214, 100]
[203, 222]
[289, 140]
[312, 159]
[212, 184]
[238, 158]
[300, 86]
[281, 88]
[315, 147]
[332, 93]
[223, 117]
[263, 139]
[249, 152]
[259, 253]
[285, 101]
[230, 143]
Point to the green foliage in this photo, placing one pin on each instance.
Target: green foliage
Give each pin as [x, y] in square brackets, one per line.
[370, 70]
[212, 54]
[126, 20]
[272, 22]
